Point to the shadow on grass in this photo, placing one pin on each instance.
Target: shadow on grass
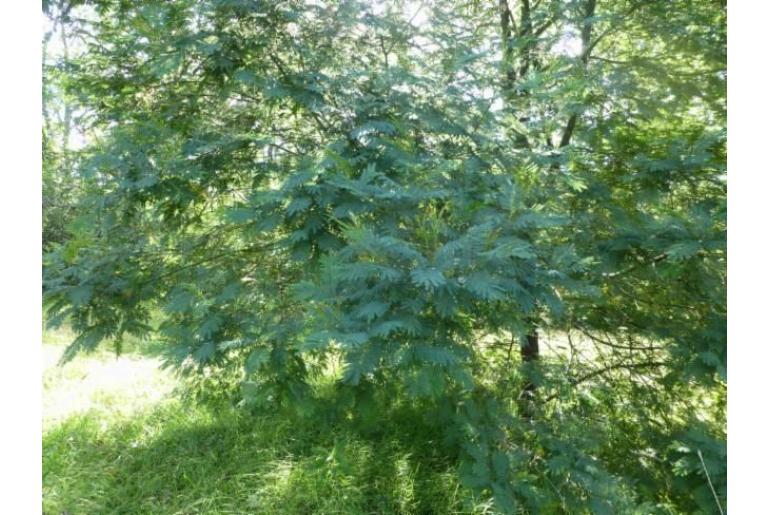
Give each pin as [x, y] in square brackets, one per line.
[176, 458]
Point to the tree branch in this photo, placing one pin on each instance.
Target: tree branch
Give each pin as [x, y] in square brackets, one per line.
[610, 368]
[287, 76]
[585, 38]
[587, 50]
[526, 33]
[656, 259]
[568, 130]
[614, 345]
[539, 31]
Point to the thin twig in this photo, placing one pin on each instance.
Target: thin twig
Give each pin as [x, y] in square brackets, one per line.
[656, 259]
[716, 497]
[609, 368]
[287, 76]
[615, 345]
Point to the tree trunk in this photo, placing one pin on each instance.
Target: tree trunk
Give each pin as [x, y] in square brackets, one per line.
[525, 58]
[530, 354]
[530, 348]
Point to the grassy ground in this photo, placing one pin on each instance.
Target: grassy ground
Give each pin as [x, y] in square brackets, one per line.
[116, 440]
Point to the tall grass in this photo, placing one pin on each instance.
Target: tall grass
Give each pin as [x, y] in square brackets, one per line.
[133, 447]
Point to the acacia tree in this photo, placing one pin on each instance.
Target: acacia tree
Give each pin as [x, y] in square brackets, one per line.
[294, 183]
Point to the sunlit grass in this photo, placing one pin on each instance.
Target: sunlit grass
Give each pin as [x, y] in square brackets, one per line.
[116, 440]
[100, 381]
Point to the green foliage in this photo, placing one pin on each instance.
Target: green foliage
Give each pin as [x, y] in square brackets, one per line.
[410, 202]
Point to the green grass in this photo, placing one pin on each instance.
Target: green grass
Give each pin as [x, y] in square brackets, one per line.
[125, 448]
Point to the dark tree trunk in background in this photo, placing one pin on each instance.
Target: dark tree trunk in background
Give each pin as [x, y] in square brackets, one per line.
[517, 61]
[530, 348]
[530, 355]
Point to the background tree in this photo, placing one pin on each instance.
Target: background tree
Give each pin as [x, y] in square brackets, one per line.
[63, 123]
